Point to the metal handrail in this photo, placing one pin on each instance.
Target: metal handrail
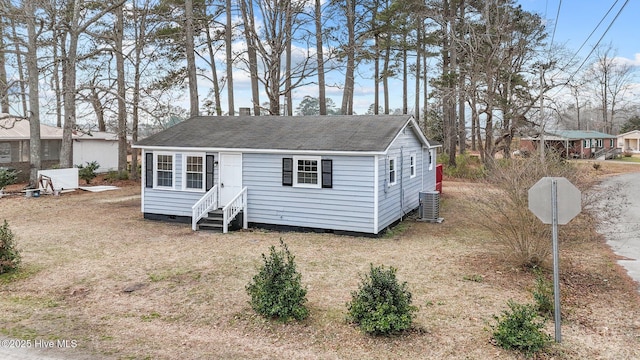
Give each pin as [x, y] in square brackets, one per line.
[229, 211]
[207, 202]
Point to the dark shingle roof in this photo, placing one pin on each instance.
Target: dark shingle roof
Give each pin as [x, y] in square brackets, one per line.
[316, 133]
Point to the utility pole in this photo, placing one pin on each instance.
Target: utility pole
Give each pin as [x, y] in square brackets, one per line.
[542, 145]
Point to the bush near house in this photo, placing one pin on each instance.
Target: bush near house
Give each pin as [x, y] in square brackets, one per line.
[381, 306]
[520, 329]
[9, 255]
[276, 291]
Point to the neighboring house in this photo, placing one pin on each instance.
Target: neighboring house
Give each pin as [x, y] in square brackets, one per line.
[583, 144]
[332, 173]
[14, 147]
[629, 141]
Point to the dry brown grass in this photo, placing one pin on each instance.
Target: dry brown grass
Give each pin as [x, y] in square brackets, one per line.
[80, 251]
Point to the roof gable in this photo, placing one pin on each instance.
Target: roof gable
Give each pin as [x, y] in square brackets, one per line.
[294, 133]
[632, 132]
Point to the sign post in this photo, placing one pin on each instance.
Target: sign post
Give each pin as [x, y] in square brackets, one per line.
[555, 201]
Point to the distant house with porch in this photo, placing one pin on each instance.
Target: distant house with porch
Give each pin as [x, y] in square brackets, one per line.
[333, 173]
[577, 144]
[629, 141]
[87, 147]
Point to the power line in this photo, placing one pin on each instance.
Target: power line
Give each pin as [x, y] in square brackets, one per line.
[597, 26]
[555, 24]
[593, 48]
[601, 37]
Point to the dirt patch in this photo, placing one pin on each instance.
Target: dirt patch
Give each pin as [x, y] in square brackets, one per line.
[126, 287]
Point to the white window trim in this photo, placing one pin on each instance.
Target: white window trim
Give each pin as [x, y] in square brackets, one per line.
[413, 166]
[318, 159]
[184, 171]
[431, 157]
[155, 170]
[395, 170]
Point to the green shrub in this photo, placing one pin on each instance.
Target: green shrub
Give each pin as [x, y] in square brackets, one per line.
[467, 167]
[276, 291]
[381, 306]
[543, 295]
[9, 255]
[520, 328]
[7, 177]
[88, 172]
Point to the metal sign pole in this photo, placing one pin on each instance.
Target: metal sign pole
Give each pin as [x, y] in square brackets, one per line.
[556, 260]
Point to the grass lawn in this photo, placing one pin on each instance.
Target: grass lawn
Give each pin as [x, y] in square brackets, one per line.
[122, 287]
[631, 159]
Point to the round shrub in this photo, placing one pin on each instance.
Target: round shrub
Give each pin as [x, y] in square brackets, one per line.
[9, 255]
[276, 291]
[381, 306]
[520, 328]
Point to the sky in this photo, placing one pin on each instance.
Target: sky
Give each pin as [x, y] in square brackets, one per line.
[575, 20]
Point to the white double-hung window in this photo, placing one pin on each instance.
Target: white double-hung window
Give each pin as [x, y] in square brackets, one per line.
[306, 172]
[164, 168]
[193, 177]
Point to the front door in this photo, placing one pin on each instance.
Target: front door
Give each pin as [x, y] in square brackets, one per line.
[230, 176]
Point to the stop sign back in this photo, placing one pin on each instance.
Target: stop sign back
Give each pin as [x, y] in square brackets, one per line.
[568, 197]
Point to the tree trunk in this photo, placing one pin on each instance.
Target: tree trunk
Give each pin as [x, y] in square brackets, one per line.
[69, 89]
[227, 40]
[322, 99]
[249, 30]
[23, 88]
[214, 73]
[349, 80]
[56, 77]
[122, 91]
[4, 85]
[405, 77]
[288, 35]
[33, 72]
[385, 73]
[418, 69]
[194, 104]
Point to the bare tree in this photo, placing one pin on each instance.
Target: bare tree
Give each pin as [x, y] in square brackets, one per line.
[246, 9]
[611, 80]
[76, 22]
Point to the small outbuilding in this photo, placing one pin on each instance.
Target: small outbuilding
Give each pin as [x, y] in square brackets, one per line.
[15, 136]
[331, 173]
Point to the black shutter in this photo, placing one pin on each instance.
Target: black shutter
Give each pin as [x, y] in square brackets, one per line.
[148, 171]
[327, 173]
[287, 171]
[209, 172]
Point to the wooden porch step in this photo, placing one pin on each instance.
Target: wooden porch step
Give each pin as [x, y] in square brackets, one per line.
[213, 221]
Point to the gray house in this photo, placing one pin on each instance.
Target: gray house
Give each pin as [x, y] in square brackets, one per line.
[330, 173]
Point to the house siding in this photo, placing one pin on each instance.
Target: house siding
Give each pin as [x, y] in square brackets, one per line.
[394, 201]
[175, 202]
[347, 206]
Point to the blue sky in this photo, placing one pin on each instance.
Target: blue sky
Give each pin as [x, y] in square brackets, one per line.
[577, 19]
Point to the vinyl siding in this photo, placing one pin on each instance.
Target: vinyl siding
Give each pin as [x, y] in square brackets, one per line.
[176, 201]
[394, 201]
[347, 206]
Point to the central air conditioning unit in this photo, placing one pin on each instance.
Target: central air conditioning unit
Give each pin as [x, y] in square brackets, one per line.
[429, 209]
